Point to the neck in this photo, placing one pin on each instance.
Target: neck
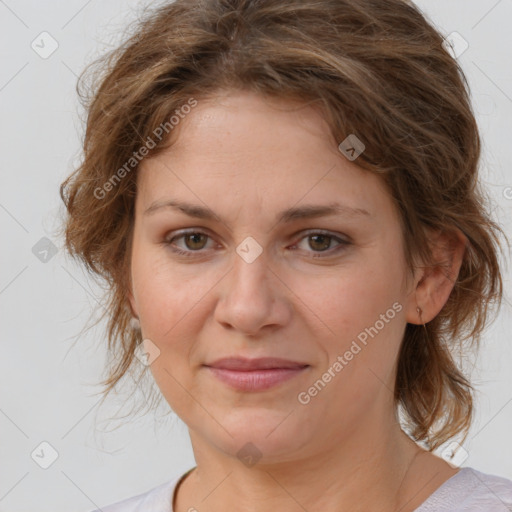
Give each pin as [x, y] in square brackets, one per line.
[367, 471]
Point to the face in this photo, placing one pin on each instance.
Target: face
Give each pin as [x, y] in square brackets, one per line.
[299, 259]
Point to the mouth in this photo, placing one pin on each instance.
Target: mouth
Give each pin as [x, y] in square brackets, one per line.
[255, 374]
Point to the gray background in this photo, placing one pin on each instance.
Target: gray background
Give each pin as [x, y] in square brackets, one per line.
[48, 375]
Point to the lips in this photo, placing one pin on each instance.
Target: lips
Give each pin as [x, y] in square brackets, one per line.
[254, 375]
[262, 363]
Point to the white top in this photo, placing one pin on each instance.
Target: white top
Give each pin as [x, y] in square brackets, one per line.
[466, 491]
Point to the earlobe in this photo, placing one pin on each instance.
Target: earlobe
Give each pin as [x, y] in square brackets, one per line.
[435, 284]
[134, 320]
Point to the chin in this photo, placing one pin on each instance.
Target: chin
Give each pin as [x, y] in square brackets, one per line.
[259, 434]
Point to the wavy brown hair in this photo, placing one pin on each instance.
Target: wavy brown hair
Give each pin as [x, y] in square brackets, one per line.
[375, 69]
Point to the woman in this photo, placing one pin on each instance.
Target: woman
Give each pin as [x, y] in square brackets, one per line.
[283, 198]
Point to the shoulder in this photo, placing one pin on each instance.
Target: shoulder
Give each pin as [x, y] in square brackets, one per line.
[157, 499]
[470, 490]
[490, 492]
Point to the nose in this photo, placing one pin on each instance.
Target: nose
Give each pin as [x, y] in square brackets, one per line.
[253, 298]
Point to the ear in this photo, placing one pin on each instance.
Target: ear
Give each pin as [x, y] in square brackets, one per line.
[433, 285]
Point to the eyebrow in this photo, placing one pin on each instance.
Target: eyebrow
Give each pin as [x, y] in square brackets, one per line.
[288, 215]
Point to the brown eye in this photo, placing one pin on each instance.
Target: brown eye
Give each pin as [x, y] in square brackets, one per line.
[320, 245]
[188, 243]
[195, 241]
[320, 242]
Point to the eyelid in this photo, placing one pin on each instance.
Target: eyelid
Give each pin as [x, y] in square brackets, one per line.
[312, 231]
[328, 252]
[168, 239]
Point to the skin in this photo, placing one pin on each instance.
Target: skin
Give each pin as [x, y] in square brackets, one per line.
[247, 158]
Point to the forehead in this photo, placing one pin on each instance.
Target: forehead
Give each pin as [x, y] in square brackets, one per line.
[261, 152]
[244, 123]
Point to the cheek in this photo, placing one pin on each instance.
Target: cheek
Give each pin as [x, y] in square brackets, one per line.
[165, 292]
[171, 303]
[360, 302]
[352, 328]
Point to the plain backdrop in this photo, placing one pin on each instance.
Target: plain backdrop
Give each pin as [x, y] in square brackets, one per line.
[48, 375]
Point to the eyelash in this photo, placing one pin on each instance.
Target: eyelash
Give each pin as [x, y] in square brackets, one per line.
[316, 254]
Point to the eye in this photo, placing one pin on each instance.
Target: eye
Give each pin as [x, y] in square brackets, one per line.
[194, 241]
[321, 241]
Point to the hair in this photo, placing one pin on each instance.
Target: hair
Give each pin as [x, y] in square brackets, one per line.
[378, 70]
